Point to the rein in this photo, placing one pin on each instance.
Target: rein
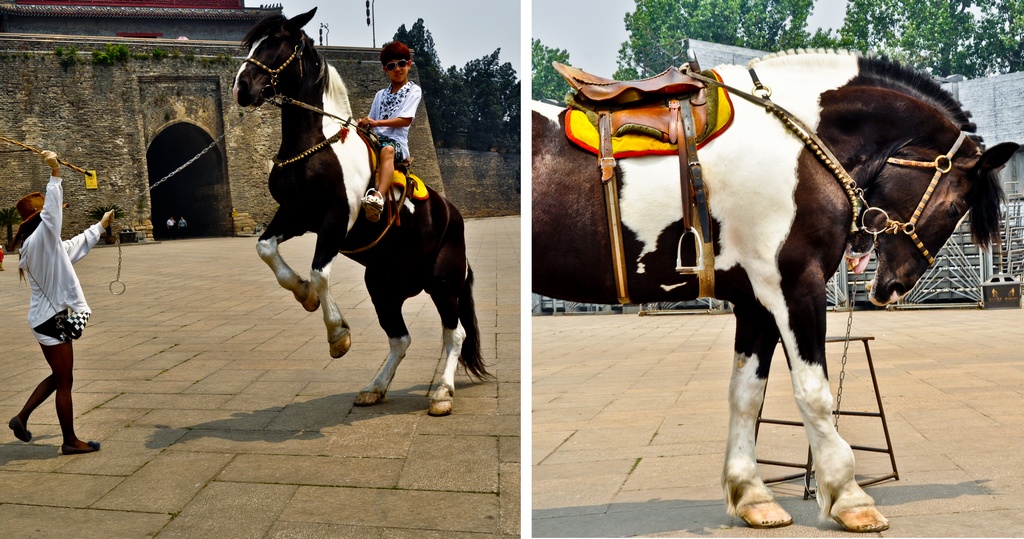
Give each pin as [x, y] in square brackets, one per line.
[858, 204]
[391, 220]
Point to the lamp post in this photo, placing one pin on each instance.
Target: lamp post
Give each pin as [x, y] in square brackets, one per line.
[371, 19]
[324, 30]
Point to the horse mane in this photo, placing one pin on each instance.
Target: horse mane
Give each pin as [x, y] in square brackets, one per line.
[881, 72]
[335, 93]
[878, 72]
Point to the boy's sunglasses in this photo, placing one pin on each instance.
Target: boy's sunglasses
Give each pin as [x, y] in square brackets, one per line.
[401, 63]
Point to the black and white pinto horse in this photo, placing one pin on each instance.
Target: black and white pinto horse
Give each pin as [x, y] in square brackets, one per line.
[781, 223]
[321, 193]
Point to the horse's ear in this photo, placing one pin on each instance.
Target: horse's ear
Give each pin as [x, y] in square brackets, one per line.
[297, 22]
[996, 157]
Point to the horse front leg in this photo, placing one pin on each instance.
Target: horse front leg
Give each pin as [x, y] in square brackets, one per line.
[267, 248]
[839, 496]
[746, 494]
[339, 334]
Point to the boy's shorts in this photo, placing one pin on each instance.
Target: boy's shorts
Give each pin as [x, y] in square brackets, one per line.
[385, 141]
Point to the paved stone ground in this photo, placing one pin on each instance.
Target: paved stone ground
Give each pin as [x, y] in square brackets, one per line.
[630, 420]
[222, 414]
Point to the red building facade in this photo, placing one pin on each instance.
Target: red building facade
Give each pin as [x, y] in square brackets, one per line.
[220, 20]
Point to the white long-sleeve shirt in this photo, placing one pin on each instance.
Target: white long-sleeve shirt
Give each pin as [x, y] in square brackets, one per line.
[47, 260]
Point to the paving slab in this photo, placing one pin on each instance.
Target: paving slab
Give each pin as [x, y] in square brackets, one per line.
[630, 419]
[222, 414]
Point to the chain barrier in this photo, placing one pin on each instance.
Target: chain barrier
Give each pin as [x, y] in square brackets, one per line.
[117, 287]
[846, 349]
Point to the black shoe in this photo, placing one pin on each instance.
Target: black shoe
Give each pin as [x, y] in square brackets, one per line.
[19, 429]
[68, 450]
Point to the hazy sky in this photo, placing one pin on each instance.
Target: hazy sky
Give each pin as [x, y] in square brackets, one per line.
[463, 30]
[594, 46]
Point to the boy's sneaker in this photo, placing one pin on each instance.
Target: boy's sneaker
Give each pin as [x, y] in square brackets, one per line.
[373, 205]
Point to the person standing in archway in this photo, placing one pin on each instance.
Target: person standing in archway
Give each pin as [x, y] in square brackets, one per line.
[182, 227]
[172, 226]
[57, 311]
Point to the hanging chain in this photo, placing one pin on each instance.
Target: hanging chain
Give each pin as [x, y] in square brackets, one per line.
[230, 128]
[846, 349]
[117, 280]
[117, 287]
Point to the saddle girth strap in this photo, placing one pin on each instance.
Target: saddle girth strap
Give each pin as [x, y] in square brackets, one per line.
[605, 154]
[611, 200]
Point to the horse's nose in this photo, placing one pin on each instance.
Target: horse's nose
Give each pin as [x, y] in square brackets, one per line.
[241, 91]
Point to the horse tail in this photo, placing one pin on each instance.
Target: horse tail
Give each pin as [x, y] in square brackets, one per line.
[470, 358]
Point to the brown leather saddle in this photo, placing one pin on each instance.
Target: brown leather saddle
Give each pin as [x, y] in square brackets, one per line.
[671, 106]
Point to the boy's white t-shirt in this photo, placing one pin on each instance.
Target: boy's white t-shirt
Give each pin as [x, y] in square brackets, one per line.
[398, 105]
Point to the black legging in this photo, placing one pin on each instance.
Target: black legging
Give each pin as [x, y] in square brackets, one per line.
[61, 358]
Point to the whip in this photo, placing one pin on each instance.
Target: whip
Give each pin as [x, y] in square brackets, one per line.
[40, 152]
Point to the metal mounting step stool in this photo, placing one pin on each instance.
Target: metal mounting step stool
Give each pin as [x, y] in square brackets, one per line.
[807, 466]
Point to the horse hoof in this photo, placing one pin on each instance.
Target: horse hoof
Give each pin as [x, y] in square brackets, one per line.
[765, 515]
[862, 520]
[440, 408]
[308, 298]
[368, 398]
[340, 347]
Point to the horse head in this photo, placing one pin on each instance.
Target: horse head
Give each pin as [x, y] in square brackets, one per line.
[920, 173]
[280, 56]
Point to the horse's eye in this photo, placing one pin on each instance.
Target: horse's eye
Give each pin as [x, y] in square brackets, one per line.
[954, 212]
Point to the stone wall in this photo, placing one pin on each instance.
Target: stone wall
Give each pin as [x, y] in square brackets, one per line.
[481, 184]
[105, 117]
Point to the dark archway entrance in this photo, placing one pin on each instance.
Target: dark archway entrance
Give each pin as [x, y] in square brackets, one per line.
[199, 192]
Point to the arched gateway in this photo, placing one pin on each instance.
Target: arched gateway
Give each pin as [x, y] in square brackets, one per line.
[199, 192]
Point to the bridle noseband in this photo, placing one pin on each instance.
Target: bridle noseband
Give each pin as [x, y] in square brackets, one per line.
[274, 73]
[942, 164]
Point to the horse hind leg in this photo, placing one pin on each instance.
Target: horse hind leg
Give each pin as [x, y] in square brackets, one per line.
[387, 303]
[378, 389]
[453, 336]
[267, 248]
[442, 398]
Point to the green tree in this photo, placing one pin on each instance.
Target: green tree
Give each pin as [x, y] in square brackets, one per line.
[941, 37]
[546, 82]
[1002, 34]
[657, 29]
[486, 111]
[8, 218]
[428, 67]
[476, 107]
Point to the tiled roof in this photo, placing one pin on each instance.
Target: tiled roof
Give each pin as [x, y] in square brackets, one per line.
[122, 12]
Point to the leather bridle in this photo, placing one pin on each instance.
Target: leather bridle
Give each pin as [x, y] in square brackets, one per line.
[275, 73]
[942, 164]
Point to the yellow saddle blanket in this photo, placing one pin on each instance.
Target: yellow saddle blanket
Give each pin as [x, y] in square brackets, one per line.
[581, 130]
[419, 189]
